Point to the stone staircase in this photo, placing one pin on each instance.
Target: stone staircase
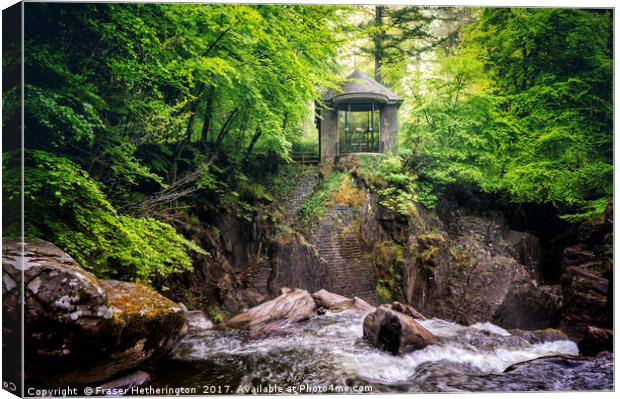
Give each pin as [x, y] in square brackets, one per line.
[300, 195]
[260, 277]
[337, 241]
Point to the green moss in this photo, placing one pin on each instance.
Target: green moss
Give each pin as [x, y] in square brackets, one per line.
[389, 260]
[384, 294]
[313, 209]
[217, 314]
[426, 248]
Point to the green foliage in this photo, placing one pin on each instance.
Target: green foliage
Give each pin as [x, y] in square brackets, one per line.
[399, 194]
[396, 185]
[67, 207]
[383, 293]
[590, 210]
[164, 107]
[217, 314]
[312, 210]
[454, 127]
[306, 144]
[395, 34]
[388, 258]
[523, 109]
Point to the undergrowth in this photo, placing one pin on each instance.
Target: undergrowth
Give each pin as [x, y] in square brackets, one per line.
[388, 258]
[313, 209]
[398, 187]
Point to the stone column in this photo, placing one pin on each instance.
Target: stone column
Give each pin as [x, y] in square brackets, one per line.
[329, 133]
[389, 129]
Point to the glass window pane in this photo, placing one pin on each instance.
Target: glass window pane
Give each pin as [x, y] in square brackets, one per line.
[358, 131]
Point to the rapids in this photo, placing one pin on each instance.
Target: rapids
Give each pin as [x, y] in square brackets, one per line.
[328, 354]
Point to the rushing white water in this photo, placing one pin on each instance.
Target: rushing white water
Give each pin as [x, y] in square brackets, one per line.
[329, 349]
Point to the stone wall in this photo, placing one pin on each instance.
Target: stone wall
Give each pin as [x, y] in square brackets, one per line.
[337, 240]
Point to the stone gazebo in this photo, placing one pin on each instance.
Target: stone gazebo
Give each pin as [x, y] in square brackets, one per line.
[361, 116]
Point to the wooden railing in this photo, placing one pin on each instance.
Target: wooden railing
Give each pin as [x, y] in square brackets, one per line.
[305, 157]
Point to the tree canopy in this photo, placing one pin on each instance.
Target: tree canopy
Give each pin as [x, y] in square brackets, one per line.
[523, 108]
[142, 117]
[131, 108]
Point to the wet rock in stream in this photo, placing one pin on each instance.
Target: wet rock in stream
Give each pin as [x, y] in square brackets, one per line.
[292, 306]
[395, 332]
[326, 299]
[547, 373]
[330, 350]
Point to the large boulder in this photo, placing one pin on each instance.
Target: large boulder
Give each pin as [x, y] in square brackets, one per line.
[480, 287]
[79, 329]
[529, 306]
[596, 340]
[475, 276]
[293, 305]
[407, 309]
[326, 299]
[353, 304]
[395, 332]
[526, 249]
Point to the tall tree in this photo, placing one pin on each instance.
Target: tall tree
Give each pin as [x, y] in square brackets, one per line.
[398, 32]
[524, 108]
[132, 109]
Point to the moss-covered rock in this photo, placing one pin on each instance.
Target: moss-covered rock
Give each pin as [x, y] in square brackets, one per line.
[79, 329]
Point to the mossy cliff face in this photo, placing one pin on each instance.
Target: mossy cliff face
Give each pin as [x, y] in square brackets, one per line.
[79, 329]
[467, 268]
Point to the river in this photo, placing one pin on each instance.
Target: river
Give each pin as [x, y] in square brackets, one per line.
[328, 354]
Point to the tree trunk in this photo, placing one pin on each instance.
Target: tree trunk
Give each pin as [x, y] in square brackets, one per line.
[378, 41]
[208, 114]
[180, 144]
[255, 137]
[223, 132]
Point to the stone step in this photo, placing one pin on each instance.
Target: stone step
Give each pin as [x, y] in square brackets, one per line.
[350, 272]
[260, 279]
[300, 195]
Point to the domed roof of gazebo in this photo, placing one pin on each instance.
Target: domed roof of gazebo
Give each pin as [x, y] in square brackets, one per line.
[360, 87]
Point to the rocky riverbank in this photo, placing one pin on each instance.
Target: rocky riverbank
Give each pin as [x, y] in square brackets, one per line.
[80, 329]
[334, 351]
[463, 268]
[457, 263]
